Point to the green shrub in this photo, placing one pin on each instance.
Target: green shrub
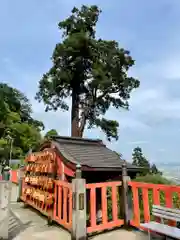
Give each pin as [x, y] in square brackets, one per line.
[14, 166]
[156, 179]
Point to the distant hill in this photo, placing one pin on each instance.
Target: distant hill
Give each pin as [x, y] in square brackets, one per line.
[171, 171]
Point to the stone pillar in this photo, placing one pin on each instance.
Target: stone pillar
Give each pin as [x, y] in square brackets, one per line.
[6, 173]
[124, 195]
[1, 167]
[79, 207]
[20, 175]
[5, 196]
[78, 171]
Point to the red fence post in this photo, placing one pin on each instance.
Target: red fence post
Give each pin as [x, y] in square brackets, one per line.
[13, 176]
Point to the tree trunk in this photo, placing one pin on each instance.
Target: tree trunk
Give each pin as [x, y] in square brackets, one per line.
[82, 123]
[75, 114]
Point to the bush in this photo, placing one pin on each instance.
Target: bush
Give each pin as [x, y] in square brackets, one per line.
[14, 166]
[156, 179]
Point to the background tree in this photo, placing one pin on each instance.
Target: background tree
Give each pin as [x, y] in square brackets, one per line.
[14, 104]
[17, 123]
[92, 72]
[154, 170]
[140, 160]
[50, 133]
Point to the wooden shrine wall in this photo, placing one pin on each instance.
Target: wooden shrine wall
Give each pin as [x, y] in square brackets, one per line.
[63, 169]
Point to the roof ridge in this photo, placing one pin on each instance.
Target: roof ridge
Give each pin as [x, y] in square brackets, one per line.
[77, 139]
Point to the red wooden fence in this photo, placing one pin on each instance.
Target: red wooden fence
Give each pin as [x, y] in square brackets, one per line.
[144, 195]
[106, 223]
[63, 204]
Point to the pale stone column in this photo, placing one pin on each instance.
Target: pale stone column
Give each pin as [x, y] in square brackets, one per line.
[20, 175]
[5, 196]
[79, 207]
[125, 198]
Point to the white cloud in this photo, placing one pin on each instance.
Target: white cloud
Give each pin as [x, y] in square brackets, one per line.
[130, 122]
[163, 68]
[161, 149]
[140, 142]
[155, 103]
[171, 68]
[144, 95]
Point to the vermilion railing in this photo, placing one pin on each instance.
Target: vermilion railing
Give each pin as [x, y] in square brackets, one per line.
[14, 177]
[63, 204]
[144, 195]
[107, 190]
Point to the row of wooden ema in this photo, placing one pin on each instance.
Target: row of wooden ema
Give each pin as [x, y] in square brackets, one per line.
[77, 201]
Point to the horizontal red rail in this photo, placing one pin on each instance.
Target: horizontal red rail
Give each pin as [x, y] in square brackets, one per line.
[173, 188]
[103, 184]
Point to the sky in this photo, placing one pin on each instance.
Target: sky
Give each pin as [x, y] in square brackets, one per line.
[149, 29]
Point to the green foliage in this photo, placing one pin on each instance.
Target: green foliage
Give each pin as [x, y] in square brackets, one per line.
[25, 136]
[93, 72]
[14, 166]
[3, 149]
[15, 106]
[140, 161]
[18, 130]
[110, 203]
[155, 179]
[50, 133]
[154, 170]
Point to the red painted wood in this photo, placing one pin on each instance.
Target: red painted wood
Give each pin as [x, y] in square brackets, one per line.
[14, 177]
[63, 217]
[68, 171]
[105, 224]
[146, 205]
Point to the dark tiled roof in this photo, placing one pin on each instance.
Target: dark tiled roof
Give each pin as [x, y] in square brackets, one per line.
[88, 152]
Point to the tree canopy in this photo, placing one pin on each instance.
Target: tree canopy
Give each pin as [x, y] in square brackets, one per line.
[17, 126]
[50, 133]
[154, 170]
[92, 72]
[141, 161]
